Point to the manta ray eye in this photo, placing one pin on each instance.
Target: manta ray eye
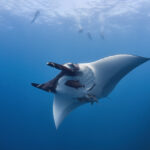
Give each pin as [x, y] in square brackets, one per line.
[75, 67]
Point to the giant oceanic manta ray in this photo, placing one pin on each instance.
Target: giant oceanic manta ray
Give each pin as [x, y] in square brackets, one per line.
[78, 84]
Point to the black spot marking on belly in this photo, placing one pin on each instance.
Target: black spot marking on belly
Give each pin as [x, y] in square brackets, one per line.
[74, 84]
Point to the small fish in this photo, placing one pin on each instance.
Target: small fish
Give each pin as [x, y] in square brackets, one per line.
[80, 30]
[89, 36]
[102, 35]
[36, 15]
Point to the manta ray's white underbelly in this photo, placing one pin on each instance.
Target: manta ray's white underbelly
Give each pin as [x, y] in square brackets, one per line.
[86, 78]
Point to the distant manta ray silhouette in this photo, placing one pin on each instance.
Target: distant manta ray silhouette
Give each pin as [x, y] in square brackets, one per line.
[82, 83]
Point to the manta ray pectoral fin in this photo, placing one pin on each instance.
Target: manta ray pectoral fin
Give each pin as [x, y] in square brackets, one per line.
[62, 106]
[110, 70]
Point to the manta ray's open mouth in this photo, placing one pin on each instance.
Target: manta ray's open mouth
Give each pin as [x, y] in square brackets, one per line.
[51, 85]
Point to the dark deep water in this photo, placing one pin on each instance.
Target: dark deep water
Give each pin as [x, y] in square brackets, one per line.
[26, 122]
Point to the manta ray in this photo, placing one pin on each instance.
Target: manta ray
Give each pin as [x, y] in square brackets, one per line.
[83, 83]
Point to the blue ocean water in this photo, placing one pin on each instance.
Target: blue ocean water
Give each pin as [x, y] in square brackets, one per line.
[121, 122]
